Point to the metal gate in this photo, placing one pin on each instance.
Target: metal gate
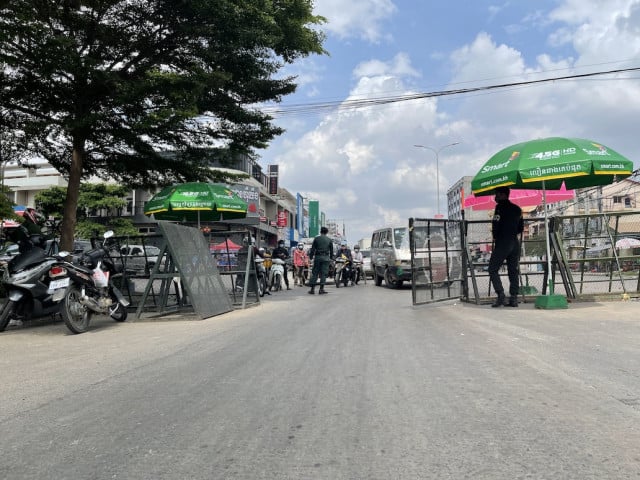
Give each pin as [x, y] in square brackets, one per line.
[438, 261]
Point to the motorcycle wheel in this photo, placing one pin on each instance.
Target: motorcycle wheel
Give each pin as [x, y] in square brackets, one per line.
[262, 285]
[7, 310]
[345, 279]
[338, 278]
[75, 315]
[277, 282]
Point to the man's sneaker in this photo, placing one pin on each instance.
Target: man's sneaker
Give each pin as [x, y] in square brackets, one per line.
[499, 301]
[322, 291]
[513, 302]
[312, 291]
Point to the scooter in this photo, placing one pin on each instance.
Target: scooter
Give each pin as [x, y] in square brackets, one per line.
[91, 289]
[344, 271]
[277, 274]
[34, 283]
[261, 275]
[358, 273]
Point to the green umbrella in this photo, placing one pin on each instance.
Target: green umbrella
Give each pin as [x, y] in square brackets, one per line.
[548, 163]
[196, 201]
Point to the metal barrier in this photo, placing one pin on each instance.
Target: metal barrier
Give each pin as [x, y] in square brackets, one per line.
[593, 256]
[168, 293]
[438, 260]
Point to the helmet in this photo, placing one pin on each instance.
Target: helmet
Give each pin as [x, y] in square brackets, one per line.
[356, 247]
[343, 243]
[300, 246]
[261, 250]
[30, 214]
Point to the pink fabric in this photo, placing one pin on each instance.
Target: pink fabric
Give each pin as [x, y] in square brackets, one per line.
[523, 198]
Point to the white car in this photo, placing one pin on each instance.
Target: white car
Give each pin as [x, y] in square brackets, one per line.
[366, 263]
[140, 258]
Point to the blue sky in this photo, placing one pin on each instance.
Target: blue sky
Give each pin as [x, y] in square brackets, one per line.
[361, 164]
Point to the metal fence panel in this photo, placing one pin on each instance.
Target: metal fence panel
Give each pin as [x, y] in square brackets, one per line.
[437, 260]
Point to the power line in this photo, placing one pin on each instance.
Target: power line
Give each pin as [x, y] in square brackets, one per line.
[313, 108]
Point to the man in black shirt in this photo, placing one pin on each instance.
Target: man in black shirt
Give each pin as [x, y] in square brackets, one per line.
[282, 253]
[507, 224]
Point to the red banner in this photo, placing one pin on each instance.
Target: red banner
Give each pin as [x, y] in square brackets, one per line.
[282, 219]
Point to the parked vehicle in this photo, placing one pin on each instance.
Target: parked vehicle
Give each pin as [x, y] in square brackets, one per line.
[34, 283]
[261, 274]
[366, 263]
[8, 251]
[277, 274]
[139, 258]
[91, 289]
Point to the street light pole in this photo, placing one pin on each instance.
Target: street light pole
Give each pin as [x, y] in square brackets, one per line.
[437, 152]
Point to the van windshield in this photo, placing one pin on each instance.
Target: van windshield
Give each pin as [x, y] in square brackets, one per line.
[400, 237]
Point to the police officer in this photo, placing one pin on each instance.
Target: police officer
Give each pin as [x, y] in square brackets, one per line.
[321, 254]
[506, 225]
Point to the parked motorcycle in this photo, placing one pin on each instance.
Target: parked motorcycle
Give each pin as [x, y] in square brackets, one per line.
[277, 274]
[261, 274]
[34, 282]
[91, 289]
[344, 271]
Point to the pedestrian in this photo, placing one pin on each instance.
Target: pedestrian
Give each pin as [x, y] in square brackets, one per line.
[506, 225]
[321, 254]
[300, 263]
[282, 253]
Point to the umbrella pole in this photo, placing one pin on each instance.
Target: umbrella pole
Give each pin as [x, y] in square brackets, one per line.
[546, 229]
[550, 300]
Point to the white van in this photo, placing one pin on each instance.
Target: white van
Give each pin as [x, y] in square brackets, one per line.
[391, 256]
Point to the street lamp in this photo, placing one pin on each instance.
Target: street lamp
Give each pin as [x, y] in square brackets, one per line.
[437, 152]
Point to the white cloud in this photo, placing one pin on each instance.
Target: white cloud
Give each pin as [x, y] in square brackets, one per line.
[363, 167]
[356, 18]
[399, 66]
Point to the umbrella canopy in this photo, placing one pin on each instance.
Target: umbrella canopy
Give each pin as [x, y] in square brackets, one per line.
[551, 163]
[627, 242]
[226, 246]
[523, 198]
[19, 209]
[547, 163]
[196, 201]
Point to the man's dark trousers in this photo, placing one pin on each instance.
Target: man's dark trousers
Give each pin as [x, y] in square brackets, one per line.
[509, 250]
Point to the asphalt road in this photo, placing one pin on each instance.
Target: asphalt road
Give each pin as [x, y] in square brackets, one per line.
[356, 384]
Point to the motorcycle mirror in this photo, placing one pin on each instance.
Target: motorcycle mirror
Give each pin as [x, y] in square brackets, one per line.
[108, 234]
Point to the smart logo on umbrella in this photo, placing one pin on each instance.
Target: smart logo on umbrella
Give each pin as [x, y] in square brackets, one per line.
[600, 150]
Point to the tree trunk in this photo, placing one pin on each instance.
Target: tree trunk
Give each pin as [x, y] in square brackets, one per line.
[73, 191]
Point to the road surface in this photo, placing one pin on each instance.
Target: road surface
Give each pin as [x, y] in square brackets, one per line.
[357, 384]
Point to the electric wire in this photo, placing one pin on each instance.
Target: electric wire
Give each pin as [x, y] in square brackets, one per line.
[358, 103]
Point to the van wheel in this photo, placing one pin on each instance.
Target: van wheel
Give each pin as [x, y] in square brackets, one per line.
[390, 282]
[377, 278]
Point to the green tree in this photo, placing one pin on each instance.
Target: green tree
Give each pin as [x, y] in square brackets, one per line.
[10, 151]
[101, 197]
[108, 87]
